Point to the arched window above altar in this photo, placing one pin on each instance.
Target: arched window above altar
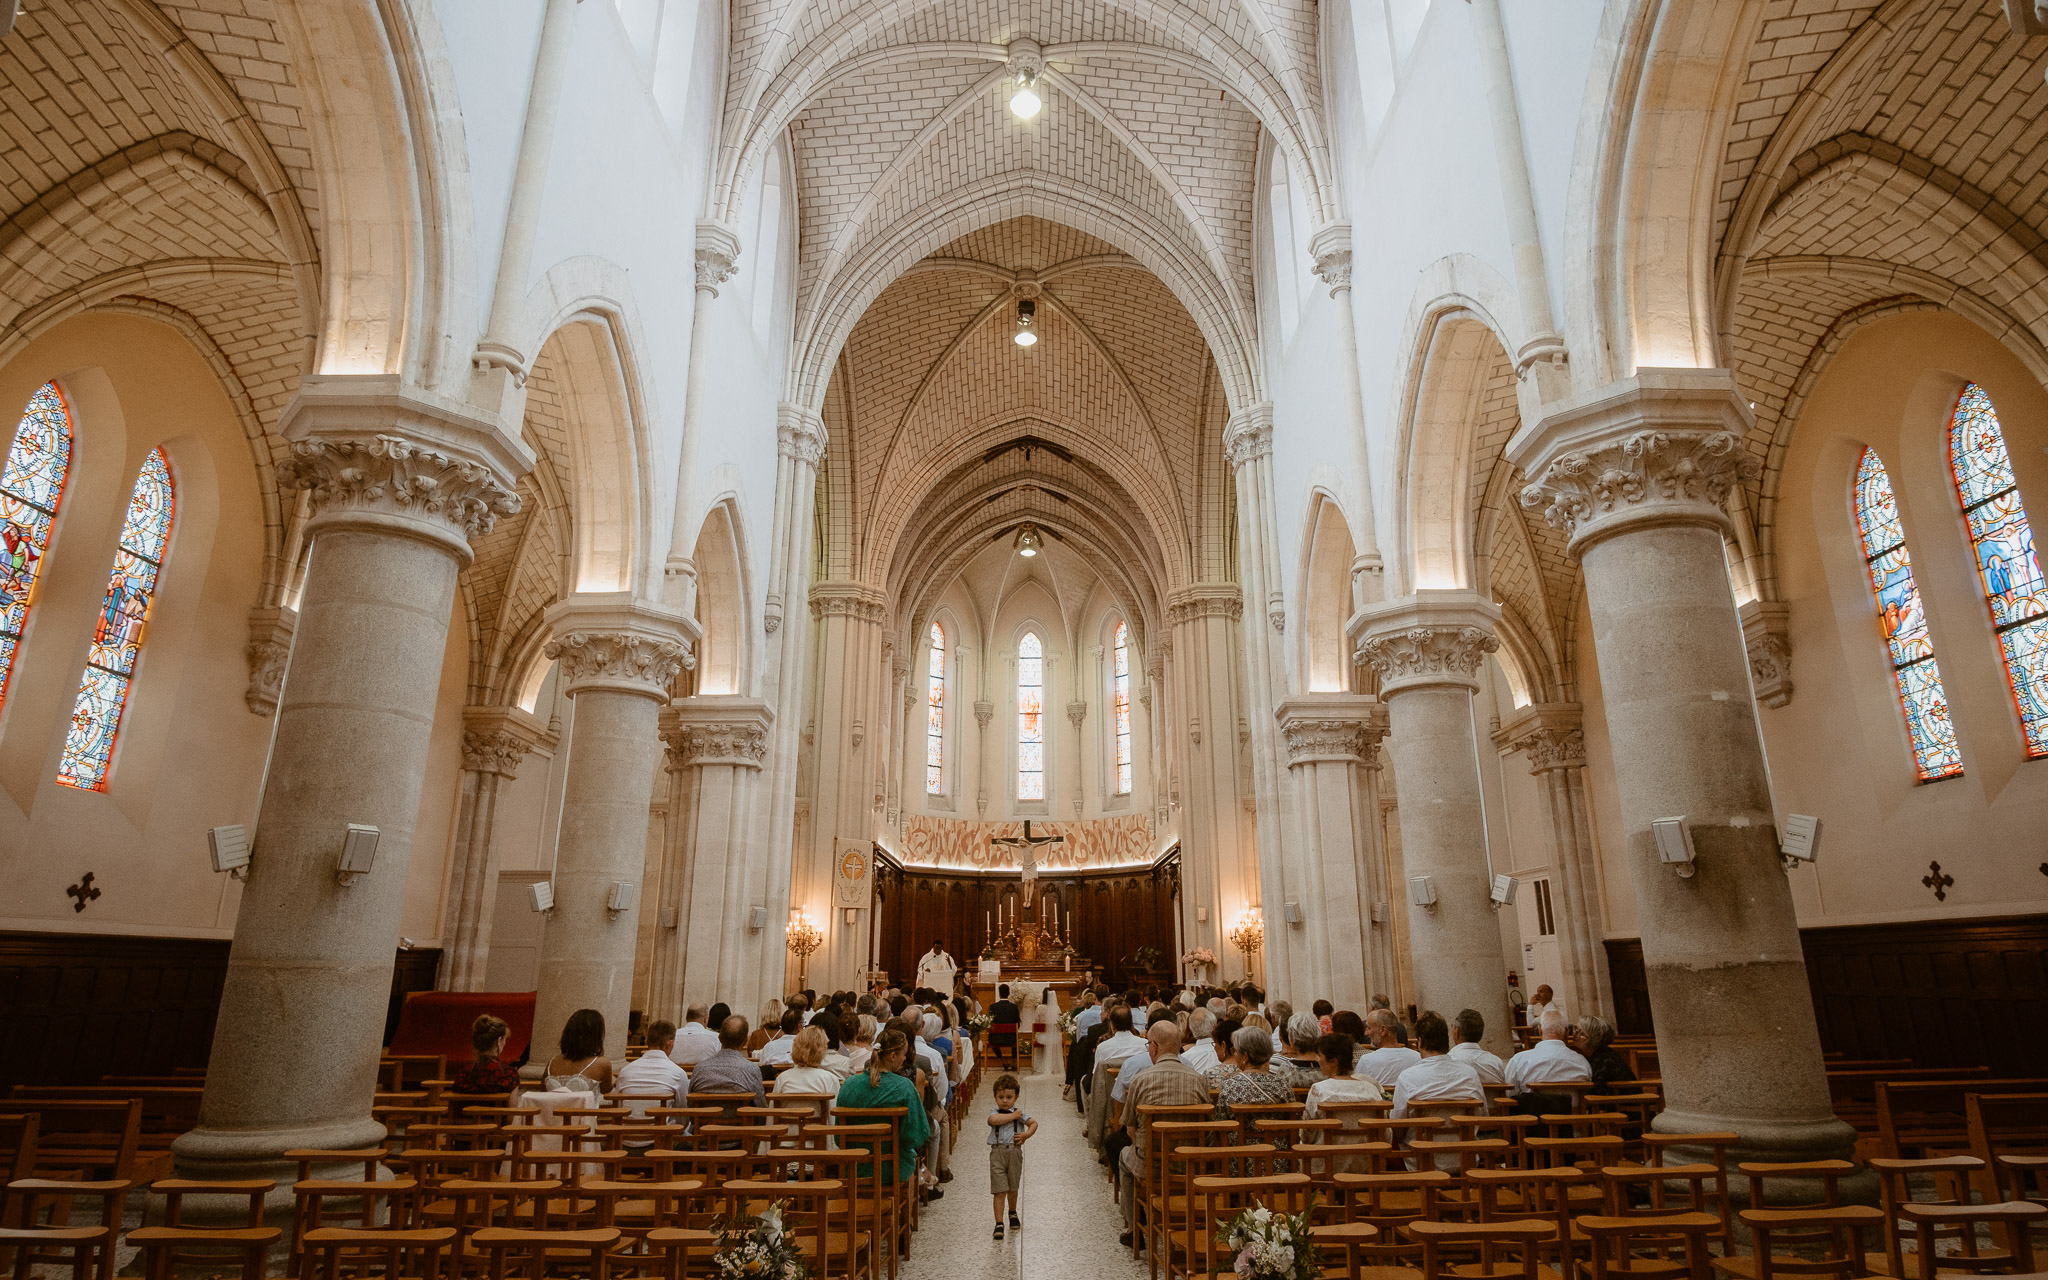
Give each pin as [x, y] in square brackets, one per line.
[1030, 718]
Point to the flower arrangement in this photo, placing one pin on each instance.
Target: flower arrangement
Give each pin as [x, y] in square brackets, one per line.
[980, 1022]
[754, 1248]
[1271, 1246]
[1068, 1017]
[1200, 958]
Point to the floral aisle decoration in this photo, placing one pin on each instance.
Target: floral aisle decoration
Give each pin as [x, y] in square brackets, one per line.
[753, 1247]
[1198, 962]
[1068, 1018]
[980, 1023]
[1271, 1246]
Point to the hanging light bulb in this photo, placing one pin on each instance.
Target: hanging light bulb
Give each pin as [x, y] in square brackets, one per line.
[1027, 542]
[1024, 103]
[1027, 316]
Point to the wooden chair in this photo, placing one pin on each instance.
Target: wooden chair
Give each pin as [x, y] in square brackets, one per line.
[317, 1202]
[1827, 1240]
[17, 1157]
[1918, 1119]
[1949, 1177]
[1385, 1201]
[175, 1244]
[529, 1251]
[879, 1132]
[1248, 1114]
[1148, 1212]
[1218, 1200]
[80, 1137]
[806, 1220]
[2004, 1124]
[356, 1253]
[1508, 1195]
[1641, 1247]
[42, 1232]
[312, 1160]
[1167, 1200]
[1929, 1221]
[1351, 1240]
[1641, 1191]
[1489, 1239]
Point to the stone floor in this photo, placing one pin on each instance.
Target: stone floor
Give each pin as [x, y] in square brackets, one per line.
[1070, 1225]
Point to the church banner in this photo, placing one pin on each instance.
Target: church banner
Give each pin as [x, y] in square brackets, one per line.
[853, 877]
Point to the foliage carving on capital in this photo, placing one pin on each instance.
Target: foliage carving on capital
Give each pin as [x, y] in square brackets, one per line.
[1249, 436]
[395, 476]
[800, 435]
[983, 713]
[1077, 712]
[1766, 634]
[1308, 740]
[1423, 653]
[743, 743]
[270, 655]
[718, 248]
[1194, 605]
[859, 604]
[496, 751]
[1551, 746]
[618, 659]
[1646, 473]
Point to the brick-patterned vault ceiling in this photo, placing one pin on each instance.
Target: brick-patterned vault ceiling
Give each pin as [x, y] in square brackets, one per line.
[945, 432]
[894, 116]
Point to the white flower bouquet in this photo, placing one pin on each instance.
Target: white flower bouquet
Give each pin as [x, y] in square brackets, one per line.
[755, 1248]
[1271, 1246]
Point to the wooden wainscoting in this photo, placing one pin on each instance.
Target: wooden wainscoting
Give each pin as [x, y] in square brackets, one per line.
[1945, 993]
[79, 1006]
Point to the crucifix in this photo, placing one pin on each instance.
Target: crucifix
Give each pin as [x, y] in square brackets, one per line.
[1026, 846]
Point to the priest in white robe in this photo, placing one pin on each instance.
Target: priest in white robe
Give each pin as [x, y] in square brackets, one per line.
[936, 969]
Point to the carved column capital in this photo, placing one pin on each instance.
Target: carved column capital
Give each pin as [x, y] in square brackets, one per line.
[1766, 632]
[1664, 447]
[856, 600]
[614, 642]
[1431, 638]
[725, 729]
[1077, 712]
[1551, 734]
[983, 713]
[1204, 600]
[718, 248]
[270, 654]
[496, 739]
[1249, 435]
[374, 451]
[1330, 249]
[1342, 728]
[799, 434]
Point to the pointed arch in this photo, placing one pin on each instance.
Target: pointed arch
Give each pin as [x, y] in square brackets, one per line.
[935, 708]
[725, 650]
[122, 626]
[1030, 716]
[1120, 705]
[1326, 598]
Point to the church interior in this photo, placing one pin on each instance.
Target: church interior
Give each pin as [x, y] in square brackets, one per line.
[531, 507]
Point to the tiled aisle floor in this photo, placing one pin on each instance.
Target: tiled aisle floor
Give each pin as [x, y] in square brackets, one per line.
[1070, 1225]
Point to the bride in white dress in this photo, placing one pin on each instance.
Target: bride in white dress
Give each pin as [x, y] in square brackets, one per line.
[1046, 1025]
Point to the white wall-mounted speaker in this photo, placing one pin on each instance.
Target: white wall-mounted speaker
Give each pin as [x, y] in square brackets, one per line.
[1674, 843]
[1422, 891]
[1292, 912]
[1504, 890]
[542, 894]
[757, 919]
[229, 847]
[358, 852]
[622, 895]
[1801, 839]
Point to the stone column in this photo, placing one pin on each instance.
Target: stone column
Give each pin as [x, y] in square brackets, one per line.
[618, 658]
[1427, 649]
[1551, 736]
[494, 741]
[1219, 863]
[401, 482]
[716, 749]
[851, 618]
[1636, 473]
[1327, 737]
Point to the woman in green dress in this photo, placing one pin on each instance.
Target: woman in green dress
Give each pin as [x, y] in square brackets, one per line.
[880, 1086]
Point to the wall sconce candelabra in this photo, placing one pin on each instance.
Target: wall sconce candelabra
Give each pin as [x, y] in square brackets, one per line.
[804, 939]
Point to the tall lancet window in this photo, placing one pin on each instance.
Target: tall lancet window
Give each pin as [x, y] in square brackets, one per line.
[31, 485]
[1030, 718]
[2006, 562]
[118, 635]
[935, 716]
[1903, 620]
[1123, 709]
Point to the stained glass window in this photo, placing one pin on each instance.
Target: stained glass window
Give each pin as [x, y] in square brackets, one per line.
[1902, 619]
[1030, 718]
[935, 716]
[2006, 562]
[1123, 710]
[117, 636]
[31, 485]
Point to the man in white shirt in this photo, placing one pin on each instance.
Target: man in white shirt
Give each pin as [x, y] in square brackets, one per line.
[1543, 1001]
[778, 1049]
[1435, 1077]
[1201, 1055]
[656, 1072]
[1550, 1060]
[694, 1040]
[935, 968]
[1121, 1042]
[1471, 1025]
[1389, 1058]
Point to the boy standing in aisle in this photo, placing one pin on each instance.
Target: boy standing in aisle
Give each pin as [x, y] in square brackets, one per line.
[1007, 1129]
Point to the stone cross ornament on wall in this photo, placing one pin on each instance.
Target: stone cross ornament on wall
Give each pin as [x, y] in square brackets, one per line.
[83, 892]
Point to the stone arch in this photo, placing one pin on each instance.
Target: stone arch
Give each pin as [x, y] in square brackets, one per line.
[1665, 80]
[724, 603]
[1436, 447]
[606, 439]
[1327, 557]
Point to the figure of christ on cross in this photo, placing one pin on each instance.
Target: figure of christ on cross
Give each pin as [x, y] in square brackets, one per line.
[1026, 846]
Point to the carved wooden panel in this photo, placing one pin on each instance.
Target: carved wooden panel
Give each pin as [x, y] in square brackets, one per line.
[76, 1007]
[1945, 993]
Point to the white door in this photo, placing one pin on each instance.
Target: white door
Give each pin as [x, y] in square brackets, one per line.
[516, 928]
[1540, 959]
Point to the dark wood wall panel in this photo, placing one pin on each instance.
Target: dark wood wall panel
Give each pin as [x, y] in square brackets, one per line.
[1113, 913]
[75, 1007]
[1945, 993]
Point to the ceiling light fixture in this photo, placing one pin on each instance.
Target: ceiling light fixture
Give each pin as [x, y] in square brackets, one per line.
[1025, 103]
[1027, 542]
[1027, 316]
